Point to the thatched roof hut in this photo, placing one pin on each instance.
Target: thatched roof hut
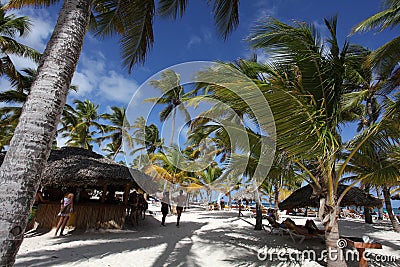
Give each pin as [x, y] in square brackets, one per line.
[245, 194]
[77, 167]
[72, 166]
[304, 197]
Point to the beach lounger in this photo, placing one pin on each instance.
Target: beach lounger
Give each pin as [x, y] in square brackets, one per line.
[301, 232]
[273, 225]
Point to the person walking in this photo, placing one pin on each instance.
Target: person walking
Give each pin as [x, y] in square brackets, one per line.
[179, 206]
[164, 207]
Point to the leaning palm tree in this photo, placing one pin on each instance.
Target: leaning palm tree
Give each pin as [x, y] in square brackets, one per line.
[304, 83]
[30, 146]
[306, 89]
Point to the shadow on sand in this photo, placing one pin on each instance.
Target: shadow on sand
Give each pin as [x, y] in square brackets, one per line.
[236, 238]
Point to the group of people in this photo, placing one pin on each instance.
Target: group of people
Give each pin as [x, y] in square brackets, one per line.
[137, 207]
[166, 207]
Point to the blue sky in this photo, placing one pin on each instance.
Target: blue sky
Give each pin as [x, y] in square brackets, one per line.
[102, 80]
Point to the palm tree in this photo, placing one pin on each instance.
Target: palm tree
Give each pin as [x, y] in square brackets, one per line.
[373, 165]
[208, 179]
[10, 27]
[145, 137]
[14, 99]
[308, 95]
[385, 59]
[306, 89]
[305, 84]
[78, 125]
[117, 130]
[30, 146]
[173, 96]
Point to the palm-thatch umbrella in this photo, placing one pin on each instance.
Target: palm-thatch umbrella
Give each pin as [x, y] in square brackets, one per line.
[304, 197]
[244, 193]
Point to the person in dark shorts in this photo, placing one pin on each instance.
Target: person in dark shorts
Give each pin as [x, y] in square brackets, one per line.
[179, 206]
[164, 207]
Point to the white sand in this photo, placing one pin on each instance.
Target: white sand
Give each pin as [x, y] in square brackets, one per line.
[205, 238]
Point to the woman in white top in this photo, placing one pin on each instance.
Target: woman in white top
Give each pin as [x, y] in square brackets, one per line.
[67, 205]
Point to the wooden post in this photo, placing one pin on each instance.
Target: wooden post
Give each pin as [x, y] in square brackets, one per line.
[104, 193]
[126, 193]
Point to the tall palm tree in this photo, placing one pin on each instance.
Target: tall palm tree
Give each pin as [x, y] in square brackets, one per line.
[145, 137]
[307, 85]
[117, 130]
[81, 125]
[14, 99]
[173, 97]
[30, 146]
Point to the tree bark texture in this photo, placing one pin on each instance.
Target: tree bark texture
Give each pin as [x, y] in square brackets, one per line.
[30, 147]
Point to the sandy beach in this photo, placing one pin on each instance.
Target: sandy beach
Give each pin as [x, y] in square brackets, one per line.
[205, 238]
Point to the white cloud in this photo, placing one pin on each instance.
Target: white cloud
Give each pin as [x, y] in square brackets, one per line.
[194, 40]
[116, 87]
[41, 29]
[204, 37]
[23, 63]
[4, 84]
[99, 84]
[84, 84]
[263, 9]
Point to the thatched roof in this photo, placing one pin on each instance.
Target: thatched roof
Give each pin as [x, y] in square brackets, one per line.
[72, 166]
[245, 194]
[303, 197]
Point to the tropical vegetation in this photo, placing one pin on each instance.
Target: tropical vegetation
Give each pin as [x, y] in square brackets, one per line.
[313, 85]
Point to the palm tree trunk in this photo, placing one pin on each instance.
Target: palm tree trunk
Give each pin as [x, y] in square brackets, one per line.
[258, 225]
[388, 204]
[380, 213]
[276, 199]
[171, 141]
[335, 257]
[367, 210]
[229, 199]
[30, 146]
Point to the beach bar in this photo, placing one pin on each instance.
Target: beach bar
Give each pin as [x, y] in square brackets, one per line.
[78, 170]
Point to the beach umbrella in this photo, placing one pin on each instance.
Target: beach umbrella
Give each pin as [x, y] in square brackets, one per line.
[303, 197]
[245, 194]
